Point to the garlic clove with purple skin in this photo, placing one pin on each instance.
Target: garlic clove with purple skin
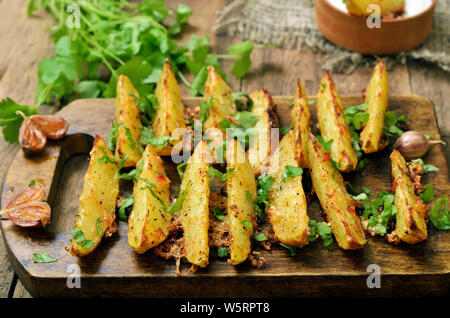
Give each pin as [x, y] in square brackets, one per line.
[413, 144]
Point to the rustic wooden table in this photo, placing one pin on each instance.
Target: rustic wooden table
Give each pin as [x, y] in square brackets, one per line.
[26, 41]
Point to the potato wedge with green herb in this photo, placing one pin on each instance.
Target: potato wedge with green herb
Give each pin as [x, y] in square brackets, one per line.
[219, 94]
[411, 225]
[301, 119]
[330, 113]
[170, 112]
[261, 143]
[287, 209]
[377, 95]
[240, 210]
[148, 224]
[334, 199]
[96, 217]
[194, 214]
[127, 116]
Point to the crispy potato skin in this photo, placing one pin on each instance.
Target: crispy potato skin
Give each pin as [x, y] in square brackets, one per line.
[359, 7]
[241, 180]
[377, 103]
[195, 211]
[301, 117]
[170, 112]
[148, 222]
[332, 125]
[261, 144]
[128, 114]
[334, 199]
[287, 209]
[411, 226]
[98, 199]
[217, 90]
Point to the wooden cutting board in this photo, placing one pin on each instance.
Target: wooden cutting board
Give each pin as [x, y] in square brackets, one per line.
[115, 270]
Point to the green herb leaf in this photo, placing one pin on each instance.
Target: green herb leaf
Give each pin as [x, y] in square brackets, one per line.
[246, 119]
[326, 144]
[239, 102]
[243, 51]
[214, 173]
[112, 137]
[219, 214]
[204, 109]
[148, 138]
[97, 225]
[106, 158]
[291, 249]
[10, 120]
[124, 204]
[133, 174]
[32, 183]
[426, 167]
[439, 215]
[323, 230]
[177, 205]
[43, 258]
[180, 169]
[291, 172]
[222, 252]
[247, 224]
[260, 237]
[427, 194]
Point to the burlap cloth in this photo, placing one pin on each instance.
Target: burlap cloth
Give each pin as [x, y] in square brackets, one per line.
[290, 23]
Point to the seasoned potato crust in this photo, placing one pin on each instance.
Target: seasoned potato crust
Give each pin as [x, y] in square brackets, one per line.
[127, 115]
[377, 103]
[411, 226]
[334, 199]
[98, 199]
[332, 125]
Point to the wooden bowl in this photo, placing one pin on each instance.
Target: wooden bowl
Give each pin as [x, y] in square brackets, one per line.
[351, 32]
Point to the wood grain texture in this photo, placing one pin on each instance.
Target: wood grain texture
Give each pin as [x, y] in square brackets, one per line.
[406, 270]
[26, 41]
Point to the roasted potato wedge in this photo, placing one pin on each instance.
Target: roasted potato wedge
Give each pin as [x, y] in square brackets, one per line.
[195, 212]
[96, 217]
[334, 199]
[359, 7]
[240, 210]
[411, 225]
[377, 95]
[261, 144]
[127, 115]
[287, 209]
[301, 119]
[148, 224]
[170, 112]
[219, 94]
[330, 113]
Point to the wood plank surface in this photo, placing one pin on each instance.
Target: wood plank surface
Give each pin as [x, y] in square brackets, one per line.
[422, 268]
[27, 42]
